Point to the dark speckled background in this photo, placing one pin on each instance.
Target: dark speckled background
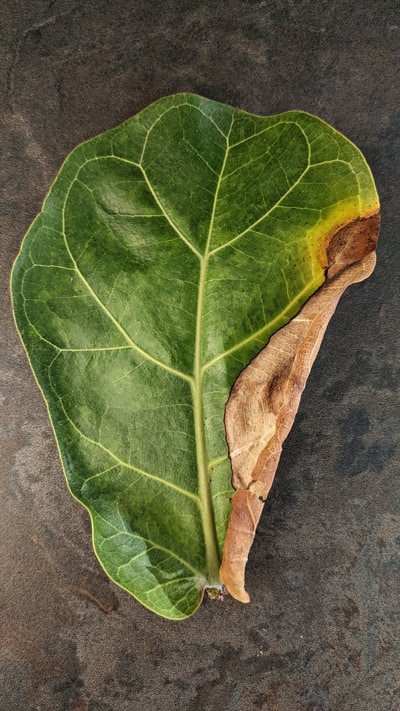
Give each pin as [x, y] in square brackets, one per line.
[322, 630]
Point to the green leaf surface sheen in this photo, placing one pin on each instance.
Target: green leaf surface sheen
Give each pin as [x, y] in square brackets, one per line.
[167, 252]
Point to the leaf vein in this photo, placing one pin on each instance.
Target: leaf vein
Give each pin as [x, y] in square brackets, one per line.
[121, 463]
[112, 318]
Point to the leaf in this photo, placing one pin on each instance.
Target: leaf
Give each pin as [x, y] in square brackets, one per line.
[167, 252]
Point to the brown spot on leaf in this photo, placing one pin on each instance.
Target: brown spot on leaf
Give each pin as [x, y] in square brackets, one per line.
[351, 244]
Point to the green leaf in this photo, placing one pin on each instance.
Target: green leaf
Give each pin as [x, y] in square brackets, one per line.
[167, 252]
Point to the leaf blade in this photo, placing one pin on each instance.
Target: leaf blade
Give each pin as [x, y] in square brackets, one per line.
[146, 210]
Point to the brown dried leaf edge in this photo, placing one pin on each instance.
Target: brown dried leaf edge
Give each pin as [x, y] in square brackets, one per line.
[266, 395]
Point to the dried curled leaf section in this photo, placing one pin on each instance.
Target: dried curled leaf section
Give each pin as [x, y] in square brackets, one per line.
[265, 397]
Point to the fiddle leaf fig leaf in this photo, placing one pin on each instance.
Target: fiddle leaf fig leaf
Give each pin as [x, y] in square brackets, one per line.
[167, 253]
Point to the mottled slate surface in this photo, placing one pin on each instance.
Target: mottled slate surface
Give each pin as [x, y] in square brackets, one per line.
[322, 630]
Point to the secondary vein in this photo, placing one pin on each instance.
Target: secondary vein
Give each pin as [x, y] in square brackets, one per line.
[126, 465]
[112, 318]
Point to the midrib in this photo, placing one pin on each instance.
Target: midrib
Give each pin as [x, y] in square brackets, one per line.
[210, 535]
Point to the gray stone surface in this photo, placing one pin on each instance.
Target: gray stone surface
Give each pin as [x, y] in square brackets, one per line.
[322, 630]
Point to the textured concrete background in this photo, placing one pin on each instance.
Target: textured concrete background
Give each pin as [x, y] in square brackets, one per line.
[322, 630]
